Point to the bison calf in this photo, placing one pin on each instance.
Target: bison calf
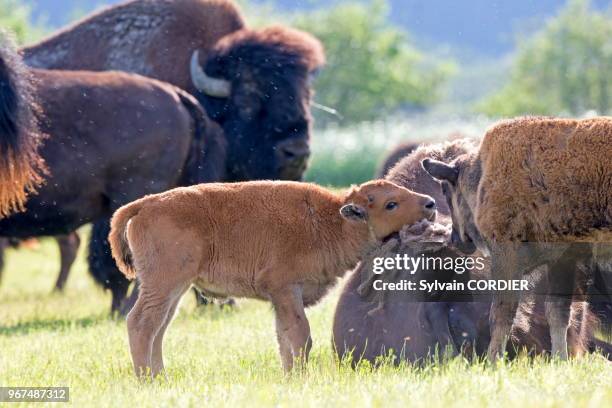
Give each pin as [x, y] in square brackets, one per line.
[284, 242]
[536, 192]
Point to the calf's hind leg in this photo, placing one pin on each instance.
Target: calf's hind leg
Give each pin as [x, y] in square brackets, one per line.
[292, 328]
[148, 320]
[157, 360]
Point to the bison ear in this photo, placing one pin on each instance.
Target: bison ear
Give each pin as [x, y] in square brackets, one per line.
[354, 212]
[440, 170]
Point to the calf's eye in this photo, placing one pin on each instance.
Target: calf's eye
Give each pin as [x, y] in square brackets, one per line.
[391, 205]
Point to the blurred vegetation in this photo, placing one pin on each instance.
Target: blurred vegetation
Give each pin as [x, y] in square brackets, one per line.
[15, 18]
[372, 69]
[347, 155]
[566, 68]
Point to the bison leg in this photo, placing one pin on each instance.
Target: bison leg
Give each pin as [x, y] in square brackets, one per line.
[437, 313]
[558, 316]
[565, 283]
[129, 302]
[4, 243]
[148, 320]
[501, 318]
[68, 246]
[102, 266]
[144, 322]
[201, 300]
[292, 328]
[157, 359]
[505, 264]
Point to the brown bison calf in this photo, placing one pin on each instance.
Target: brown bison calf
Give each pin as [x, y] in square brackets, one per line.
[536, 192]
[296, 240]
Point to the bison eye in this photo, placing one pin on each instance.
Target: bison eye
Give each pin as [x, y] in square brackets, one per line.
[391, 205]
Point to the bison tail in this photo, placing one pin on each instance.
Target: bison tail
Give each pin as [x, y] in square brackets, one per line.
[206, 160]
[120, 247]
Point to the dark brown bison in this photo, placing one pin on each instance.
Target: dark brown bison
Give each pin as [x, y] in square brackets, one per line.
[395, 155]
[368, 325]
[256, 84]
[20, 165]
[113, 137]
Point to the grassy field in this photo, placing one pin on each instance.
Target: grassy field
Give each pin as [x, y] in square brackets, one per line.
[228, 357]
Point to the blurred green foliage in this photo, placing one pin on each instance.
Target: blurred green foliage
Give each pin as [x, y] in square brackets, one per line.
[566, 68]
[15, 18]
[372, 67]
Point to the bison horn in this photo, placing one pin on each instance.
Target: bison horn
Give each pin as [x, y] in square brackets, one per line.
[219, 88]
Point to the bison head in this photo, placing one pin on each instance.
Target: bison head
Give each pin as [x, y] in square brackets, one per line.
[386, 207]
[257, 86]
[459, 181]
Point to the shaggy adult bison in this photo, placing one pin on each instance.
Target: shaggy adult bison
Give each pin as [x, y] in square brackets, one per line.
[536, 192]
[113, 137]
[395, 155]
[256, 84]
[298, 239]
[416, 325]
[20, 164]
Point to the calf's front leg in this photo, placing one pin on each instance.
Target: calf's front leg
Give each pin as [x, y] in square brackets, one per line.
[503, 310]
[505, 264]
[292, 328]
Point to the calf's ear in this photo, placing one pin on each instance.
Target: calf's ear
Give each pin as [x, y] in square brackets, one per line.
[354, 212]
[440, 170]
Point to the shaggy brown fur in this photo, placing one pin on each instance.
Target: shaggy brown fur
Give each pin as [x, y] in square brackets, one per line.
[535, 180]
[394, 156]
[21, 167]
[545, 180]
[409, 173]
[139, 35]
[296, 240]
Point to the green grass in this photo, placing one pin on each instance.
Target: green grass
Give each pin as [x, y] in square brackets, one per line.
[228, 357]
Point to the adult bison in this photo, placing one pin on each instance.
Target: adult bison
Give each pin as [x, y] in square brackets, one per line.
[256, 84]
[396, 154]
[20, 165]
[113, 137]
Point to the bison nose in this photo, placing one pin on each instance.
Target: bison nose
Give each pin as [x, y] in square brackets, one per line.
[292, 158]
[430, 208]
[295, 153]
